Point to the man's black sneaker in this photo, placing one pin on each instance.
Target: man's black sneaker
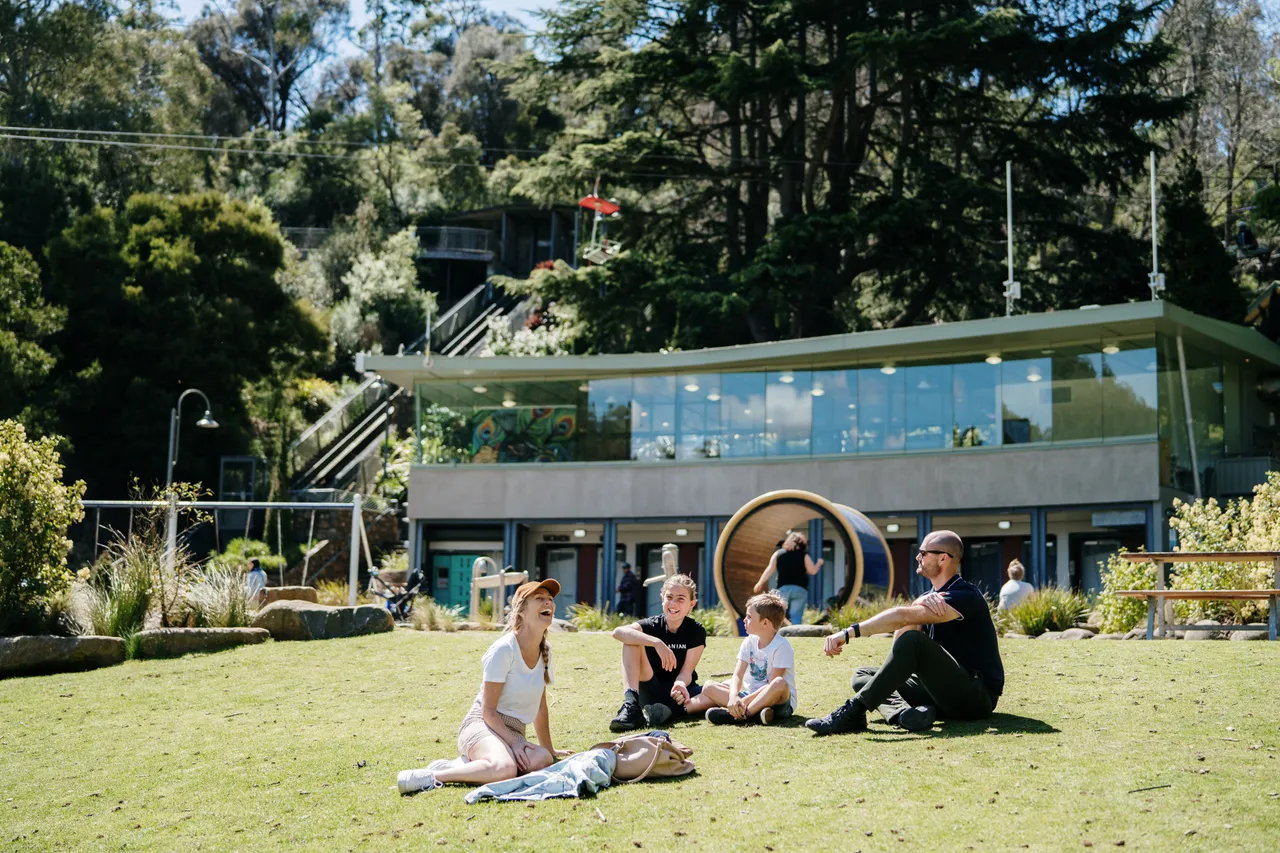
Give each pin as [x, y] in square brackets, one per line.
[657, 714]
[849, 717]
[722, 717]
[917, 719]
[629, 717]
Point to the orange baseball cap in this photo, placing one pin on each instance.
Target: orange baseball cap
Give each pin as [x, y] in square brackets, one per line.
[551, 585]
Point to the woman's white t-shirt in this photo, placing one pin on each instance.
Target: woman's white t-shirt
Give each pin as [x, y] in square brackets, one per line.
[522, 685]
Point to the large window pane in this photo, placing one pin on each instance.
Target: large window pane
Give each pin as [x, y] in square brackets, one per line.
[976, 401]
[653, 418]
[607, 435]
[1025, 398]
[1204, 382]
[928, 407]
[881, 409]
[698, 416]
[788, 413]
[1129, 389]
[1077, 394]
[742, 414]
[835, 411]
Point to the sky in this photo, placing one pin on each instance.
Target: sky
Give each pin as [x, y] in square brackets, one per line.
[521, 10]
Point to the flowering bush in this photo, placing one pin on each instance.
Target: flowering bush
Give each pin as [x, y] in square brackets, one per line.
[36, 508]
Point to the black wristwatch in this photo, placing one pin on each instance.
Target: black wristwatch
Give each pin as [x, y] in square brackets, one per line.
[857, 632]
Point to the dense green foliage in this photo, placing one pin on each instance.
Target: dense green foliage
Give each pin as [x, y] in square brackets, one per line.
[1050, 609]
[36, 508]
[785, 168]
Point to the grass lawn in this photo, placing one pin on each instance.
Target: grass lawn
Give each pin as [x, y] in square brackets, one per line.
[297, 745]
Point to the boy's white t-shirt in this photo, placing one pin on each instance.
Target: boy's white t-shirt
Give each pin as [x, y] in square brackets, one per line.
[777, 655]
[522, 686]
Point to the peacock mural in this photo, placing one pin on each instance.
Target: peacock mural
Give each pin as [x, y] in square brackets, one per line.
[524, 434]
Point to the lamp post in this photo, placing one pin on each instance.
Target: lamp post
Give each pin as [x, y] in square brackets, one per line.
[175, 415]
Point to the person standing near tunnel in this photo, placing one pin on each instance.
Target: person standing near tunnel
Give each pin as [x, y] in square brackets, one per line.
[794, 567]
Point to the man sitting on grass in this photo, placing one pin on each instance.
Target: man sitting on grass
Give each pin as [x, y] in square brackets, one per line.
[945, 656]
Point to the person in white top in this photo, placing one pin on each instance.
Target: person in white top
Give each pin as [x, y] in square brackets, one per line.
[1016, 590]
[763, 686]
[255, 582]
[517, 668]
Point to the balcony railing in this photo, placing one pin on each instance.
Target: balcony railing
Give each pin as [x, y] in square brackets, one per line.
[436, 241]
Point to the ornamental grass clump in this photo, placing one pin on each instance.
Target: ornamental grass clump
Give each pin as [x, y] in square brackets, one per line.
[429, 615]
[1050, 609]
[216, 598]
[121, 588]
[587, 618]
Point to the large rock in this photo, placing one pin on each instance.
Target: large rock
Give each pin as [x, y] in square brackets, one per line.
[477, 626]
[1138, 632]
[1251, 635]
[290, 593]
[1076, 634]
[1109, 636]
[303, 620]
[171, 642]
[1206, 633]
[1050, 635]
[806, 630]
[563, 625]
[37, 654]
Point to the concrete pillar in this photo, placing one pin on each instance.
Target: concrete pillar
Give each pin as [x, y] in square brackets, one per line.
[707, 593]
[609, 562]
[815, 554]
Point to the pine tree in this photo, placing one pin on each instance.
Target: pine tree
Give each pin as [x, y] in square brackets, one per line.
[1197, 268]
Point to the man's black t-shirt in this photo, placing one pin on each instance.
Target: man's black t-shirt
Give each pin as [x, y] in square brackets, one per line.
[690, 635]
[971, 639]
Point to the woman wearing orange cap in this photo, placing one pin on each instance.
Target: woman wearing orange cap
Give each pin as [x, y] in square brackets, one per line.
[517, 669]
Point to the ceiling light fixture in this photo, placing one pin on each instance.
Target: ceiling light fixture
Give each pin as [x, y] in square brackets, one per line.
[786, 378]
[508, 401]
[584, 387]
[1004, 524]
[579, 533]
[1111, 349]
[888, 370]
[994, 359]
[1033, 375]
[479, 389]
[817, 389]
[713, 397]
[892, 527]
[692, 387]
[682, 531]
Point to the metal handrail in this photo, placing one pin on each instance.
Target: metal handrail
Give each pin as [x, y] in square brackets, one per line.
[334, 422]
[451, 238]
[460, 315]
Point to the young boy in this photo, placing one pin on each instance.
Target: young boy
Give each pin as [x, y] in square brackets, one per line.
[659, 657]
[763, 687]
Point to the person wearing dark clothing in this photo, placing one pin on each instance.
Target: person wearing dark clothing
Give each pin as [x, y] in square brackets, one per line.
[794, 567]
[629, 588]
[945, 656]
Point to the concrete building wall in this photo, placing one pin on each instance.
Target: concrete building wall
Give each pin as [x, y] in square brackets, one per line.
[947, 481]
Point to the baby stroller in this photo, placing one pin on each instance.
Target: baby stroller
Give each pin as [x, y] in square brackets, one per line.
[399, 600]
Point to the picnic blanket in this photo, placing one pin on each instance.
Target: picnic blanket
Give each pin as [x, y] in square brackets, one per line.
[581, 773]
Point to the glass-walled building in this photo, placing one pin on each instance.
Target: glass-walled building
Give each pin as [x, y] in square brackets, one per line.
[1064, 419]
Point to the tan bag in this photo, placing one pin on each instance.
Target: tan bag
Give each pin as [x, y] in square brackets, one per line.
[642, 756]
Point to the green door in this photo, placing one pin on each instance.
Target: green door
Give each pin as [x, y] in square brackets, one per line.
[460, 579]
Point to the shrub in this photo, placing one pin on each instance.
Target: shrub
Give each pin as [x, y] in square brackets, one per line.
[1050, 609]
[861, 609]
[36, 508]
[1118, 613]
[427, 615]
[716, 621]
[334, 594]
[588, 618]
[217, 598]
[238, 551]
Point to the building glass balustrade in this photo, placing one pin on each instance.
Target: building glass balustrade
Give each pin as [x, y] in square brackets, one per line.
[1119, 390]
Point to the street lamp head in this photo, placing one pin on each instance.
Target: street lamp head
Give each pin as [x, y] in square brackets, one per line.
[207, 422]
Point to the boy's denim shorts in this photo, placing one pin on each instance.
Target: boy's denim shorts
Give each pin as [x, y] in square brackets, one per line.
[781, 710]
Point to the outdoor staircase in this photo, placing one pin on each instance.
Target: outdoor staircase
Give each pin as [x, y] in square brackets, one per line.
[335, 451]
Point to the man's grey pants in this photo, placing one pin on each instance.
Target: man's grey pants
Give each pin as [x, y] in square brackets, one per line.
[919, 671]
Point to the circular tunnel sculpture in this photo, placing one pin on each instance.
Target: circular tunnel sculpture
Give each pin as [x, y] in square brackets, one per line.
[751, 536]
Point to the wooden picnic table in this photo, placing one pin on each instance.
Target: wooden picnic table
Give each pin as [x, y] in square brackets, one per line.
[1157, 618]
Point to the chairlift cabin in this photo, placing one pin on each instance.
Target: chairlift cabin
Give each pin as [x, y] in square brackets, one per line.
[599, 248]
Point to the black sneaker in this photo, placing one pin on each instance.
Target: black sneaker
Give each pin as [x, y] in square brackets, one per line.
[657, 713]
[917, 719]
[849, 717]
[722, 717]
[629, 717]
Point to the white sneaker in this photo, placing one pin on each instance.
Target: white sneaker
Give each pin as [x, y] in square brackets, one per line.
[413, 781]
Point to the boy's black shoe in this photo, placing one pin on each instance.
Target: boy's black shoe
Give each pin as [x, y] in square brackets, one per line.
[722, 717]
[629, 717]
[849, 717]
[917, 719]
[657, 713]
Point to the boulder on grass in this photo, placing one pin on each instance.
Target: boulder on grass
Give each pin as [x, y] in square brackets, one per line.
[1138, 632]
[1206, 633]
[1251, 635]
[172, 642]
[303, 620]
[1014, 635]
[1076, 634]
[1050, 635]
[563, 626]
[290, 593]
[1109, 637]
[30, 655]
[806, 630]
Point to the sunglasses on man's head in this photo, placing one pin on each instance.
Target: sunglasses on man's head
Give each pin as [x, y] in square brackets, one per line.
[927, 551]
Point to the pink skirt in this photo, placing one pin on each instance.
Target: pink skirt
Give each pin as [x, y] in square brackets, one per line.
[474, 729]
